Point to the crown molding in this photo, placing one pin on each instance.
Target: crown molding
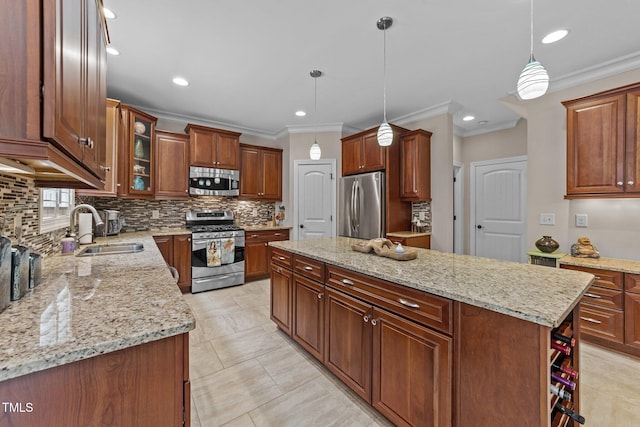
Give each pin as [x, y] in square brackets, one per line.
[448, 107]
[463, 133]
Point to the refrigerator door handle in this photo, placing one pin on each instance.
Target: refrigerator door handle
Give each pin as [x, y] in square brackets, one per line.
[357, 207]
[352, 212]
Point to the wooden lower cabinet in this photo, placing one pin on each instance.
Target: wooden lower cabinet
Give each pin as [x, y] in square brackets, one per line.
[144, 385]
[308, 315]
[257, 254]
[401, 349]
[413, 241]
[282, 297]
[632, 319]
[348, 347]
[176, 251]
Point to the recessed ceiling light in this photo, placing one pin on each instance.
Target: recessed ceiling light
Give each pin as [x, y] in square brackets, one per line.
[108, 13]
[468, 118]
[112, 51]
[483, 122]
[555, 36]
[180, 81]
[300, 113]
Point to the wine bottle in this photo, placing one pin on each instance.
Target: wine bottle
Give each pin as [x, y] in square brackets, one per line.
[567, 340]
[561, 347]
[566, 369]
[564, 381]
[562, 394]
[572, 414]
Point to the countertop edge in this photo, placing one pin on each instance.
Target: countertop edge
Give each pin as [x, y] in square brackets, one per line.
[614, 264]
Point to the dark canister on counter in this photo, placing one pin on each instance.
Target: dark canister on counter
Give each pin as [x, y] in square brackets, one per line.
[5, 272]
[35, 269]
[19, 271]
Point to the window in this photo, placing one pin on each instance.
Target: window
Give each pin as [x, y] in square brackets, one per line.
[55, 206]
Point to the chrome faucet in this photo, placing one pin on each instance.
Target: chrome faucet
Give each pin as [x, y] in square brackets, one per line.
[72, 218]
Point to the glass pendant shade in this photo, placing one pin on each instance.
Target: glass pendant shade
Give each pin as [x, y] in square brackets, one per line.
[533, 81]
[314, 151]
[385, 135]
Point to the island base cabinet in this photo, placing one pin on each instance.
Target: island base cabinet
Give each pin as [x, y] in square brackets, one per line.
[632, 319]
[308, 314]
[281, 297]
[145, 385]
[348, 336]
[401, 349]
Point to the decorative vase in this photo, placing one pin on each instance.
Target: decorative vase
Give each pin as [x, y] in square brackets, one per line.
[138, 149]
[138, 183]
[546, 244]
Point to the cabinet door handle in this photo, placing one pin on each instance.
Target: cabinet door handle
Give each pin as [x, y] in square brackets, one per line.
[590, 295]
[105, 168]
[308, 268]
[630, 183]
[588, 319]
[366, 319]
[619, 183]
[407, 303]
[347, 282]
[374, 322]
[320, 295]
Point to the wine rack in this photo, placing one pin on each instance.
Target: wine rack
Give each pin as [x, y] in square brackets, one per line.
[564, 374]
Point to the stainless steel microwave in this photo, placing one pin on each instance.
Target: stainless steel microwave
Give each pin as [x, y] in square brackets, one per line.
[213, 182]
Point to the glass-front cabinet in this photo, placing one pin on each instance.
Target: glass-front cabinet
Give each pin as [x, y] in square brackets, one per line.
[140, 168]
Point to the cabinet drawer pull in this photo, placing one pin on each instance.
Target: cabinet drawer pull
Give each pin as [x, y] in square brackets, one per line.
[592, 295]
[598, 277]
[278, 234]
[347, 282]
[281, 258]
[407, 303]
[255, 235]
[588, 319]
[308, 268]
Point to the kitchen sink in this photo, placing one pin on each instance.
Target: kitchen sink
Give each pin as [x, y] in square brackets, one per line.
[111, 248]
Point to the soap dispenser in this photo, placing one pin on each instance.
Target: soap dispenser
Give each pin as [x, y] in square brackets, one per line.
[68, 243]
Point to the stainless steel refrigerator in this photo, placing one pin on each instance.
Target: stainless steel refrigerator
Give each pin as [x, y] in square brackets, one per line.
[362, 205]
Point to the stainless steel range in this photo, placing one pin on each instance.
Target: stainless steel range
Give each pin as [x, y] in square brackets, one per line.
[217, 250]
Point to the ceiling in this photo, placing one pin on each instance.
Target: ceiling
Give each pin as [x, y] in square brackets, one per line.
[248, 61]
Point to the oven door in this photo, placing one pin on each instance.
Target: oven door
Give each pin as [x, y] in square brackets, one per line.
[204, 265]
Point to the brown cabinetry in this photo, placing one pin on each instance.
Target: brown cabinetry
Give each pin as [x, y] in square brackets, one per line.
[213, 148]
[609, 310]
[603, 144]
[361, 153]
[53, 90]
[308, 313]
[256, 252]
[415, 166]
[281, 294]
[419, 241]
[261, 170]
[171, 165]
[176, 251]
[137, 161]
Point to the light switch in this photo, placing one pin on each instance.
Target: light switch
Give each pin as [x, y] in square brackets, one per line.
[547, 219]
[581, 220]
[155, 214]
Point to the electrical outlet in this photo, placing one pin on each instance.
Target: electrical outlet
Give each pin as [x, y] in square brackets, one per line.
[582, 220]
[155, 214]
[547, 219]
[255, 212]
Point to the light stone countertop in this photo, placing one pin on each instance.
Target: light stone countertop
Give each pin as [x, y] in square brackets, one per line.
[86, 306]
[538, 294]
[623, 265]
[404, 234]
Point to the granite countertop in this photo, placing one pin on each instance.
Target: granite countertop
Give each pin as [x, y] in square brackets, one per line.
[623, 265]
[404, 234]
[86, 306]
[538, 294]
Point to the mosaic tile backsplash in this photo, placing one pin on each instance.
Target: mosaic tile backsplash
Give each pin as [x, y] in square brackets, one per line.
[425, 208]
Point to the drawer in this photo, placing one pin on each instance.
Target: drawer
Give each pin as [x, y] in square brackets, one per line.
[632, 283]
[279, 235]
[424, 308]
[309, 268]
[604, 278]
[281, 258]
[604, 297]
[602, 322]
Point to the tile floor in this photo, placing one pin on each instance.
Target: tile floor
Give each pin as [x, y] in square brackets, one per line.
[246, 373]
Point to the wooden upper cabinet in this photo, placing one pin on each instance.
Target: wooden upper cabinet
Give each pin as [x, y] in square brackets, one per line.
[362, 153]
[602, 144]
[260, 172]
[172, 165]
[415, 166]
[213, 148]
[137, 159]
[75, 80]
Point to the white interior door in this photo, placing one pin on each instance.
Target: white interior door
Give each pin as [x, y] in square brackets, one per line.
[315, 199]
[499, 209]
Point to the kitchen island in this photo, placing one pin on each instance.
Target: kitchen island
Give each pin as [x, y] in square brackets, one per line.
[103, 340]
[440, 340]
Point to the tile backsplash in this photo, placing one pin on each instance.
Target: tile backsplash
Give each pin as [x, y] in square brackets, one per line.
[422, 207]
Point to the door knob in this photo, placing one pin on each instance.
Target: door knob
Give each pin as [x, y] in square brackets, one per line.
[301, 225]
[479, 226]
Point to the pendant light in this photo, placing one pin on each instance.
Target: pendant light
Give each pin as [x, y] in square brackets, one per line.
[534, 80]
[385, 134]
[314, 151]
